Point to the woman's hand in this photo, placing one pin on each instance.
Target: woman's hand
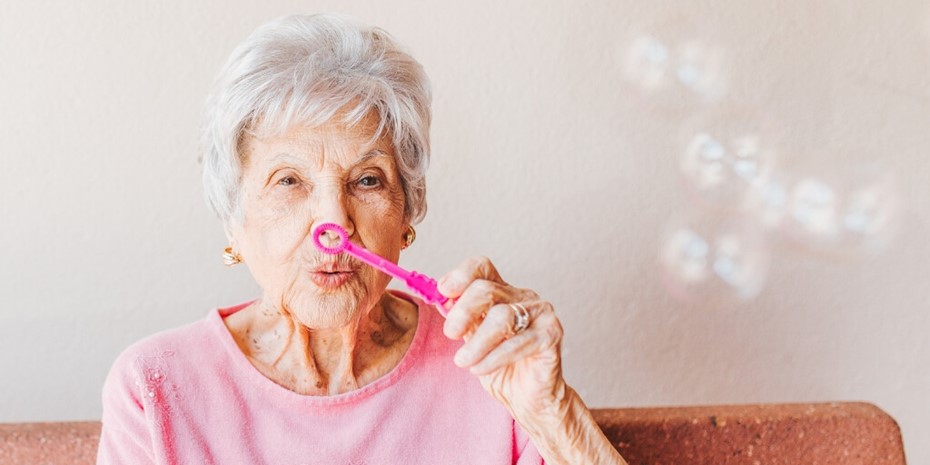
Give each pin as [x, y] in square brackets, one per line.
[521, 370]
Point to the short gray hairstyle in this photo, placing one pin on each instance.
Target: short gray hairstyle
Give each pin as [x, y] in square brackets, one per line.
[304, 70]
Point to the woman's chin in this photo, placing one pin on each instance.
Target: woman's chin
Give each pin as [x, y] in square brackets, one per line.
[328, 308]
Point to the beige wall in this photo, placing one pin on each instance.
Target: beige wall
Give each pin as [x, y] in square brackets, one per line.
[546, 160]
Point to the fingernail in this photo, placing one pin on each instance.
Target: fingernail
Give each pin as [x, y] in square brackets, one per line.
[460, 358]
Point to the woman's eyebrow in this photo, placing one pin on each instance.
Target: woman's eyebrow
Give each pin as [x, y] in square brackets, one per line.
[372, 154]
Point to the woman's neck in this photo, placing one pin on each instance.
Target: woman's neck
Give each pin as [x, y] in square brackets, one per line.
[330, 361]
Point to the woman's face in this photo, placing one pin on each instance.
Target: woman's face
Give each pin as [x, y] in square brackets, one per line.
[309, 176]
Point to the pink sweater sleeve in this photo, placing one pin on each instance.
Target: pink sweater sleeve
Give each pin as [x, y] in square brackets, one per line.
[125, 437]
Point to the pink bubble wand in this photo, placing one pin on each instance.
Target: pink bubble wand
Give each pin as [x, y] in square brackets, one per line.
[423, 285]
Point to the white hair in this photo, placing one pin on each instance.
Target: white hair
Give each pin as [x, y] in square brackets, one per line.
[305, 70]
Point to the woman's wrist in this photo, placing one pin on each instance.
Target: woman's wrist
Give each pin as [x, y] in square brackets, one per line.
[543, 409]
[565, 432]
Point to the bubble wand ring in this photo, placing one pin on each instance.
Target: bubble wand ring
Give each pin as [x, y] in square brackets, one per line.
[423, 285]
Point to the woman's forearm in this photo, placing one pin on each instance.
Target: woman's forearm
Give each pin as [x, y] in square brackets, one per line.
[567, 434]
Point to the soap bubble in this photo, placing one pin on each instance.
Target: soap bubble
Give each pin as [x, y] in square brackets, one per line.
[713, 261]
[672, 64]
[675, 71]
[727, 154]
[648, 63]
[848, 211]
[700, 69]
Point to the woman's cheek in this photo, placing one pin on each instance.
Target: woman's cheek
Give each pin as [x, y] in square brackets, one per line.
[387, 203]
[283, 214]
[276, 223]
[378, 221]
[285, 203]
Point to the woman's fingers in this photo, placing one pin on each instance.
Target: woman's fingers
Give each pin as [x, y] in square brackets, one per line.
[468, 311]
[482, 314]
[476, 301]
[495, 328]
[510, 351]
[475, 286]
[493, 345]
[454, 283]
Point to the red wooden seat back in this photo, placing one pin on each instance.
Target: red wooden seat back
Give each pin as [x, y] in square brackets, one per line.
[787, 434]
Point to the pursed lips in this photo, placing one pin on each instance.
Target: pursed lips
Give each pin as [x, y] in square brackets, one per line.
[332, 268]
[331, 275]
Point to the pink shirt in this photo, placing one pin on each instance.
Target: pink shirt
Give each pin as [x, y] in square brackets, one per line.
[189, 396]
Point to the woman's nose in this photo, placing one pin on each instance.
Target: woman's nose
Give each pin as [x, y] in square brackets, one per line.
[331, 206]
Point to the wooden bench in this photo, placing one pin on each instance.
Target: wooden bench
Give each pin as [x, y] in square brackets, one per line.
[788, 434]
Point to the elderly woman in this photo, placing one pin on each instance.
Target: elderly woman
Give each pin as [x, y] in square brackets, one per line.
[315, 120]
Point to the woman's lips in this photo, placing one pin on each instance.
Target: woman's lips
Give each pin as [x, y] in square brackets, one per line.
[330, 280]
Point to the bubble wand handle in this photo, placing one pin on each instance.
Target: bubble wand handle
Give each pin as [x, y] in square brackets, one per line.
[420, 283]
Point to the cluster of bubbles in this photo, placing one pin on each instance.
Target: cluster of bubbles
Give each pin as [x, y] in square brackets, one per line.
[847, 214]
[672, 71]
[731, 165]
[720, 262]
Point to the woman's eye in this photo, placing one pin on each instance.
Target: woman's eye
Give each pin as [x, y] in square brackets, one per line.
[287, 181]
[369, 181]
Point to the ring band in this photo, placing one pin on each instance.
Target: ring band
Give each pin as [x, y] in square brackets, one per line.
[521, 318]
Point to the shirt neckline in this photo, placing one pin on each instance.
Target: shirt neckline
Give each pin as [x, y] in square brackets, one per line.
[244, 369]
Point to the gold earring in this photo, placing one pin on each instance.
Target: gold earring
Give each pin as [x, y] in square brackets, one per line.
[231, 258]
[409, 237]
